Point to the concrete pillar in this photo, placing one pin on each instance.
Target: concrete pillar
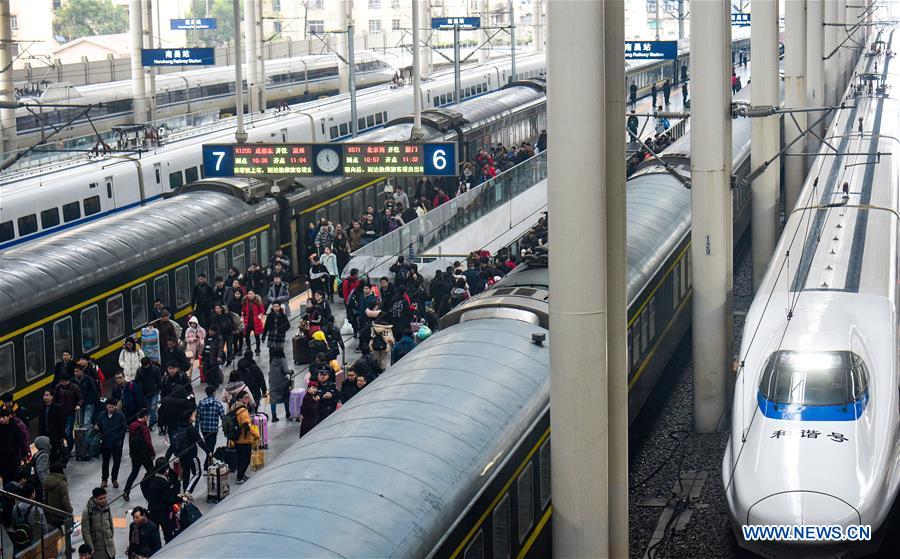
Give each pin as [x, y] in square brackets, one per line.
[345, 14]
[578, 408]
[263, 54]
[416, 134]
[766, 136]
[537, 19]
[815, 73]
[7, 93]
[484, 11]
[138, 84]
[794, 97]
[616, 293]
[426, 57]
[843, 54]
[832, 76]
[252, 48]
[240, 134]
[711, 227]
[512, 41]
[149, 73]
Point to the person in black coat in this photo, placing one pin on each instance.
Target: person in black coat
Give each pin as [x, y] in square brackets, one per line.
[63, 366]
[111, 425]
[252, 376]
[161, 494]
[51, 421]
[176, 355]
[202, 300]
[174, 379]
[149, 376]
[184, 438]
[143, 535]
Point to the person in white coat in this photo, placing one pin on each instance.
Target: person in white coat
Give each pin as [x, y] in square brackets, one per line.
[329, 260]
[130, 358]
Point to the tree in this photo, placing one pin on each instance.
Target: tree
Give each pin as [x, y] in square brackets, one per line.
[223, 34]
[80, 18]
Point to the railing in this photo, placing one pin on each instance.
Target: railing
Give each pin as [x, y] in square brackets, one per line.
[447, 219]
[173, 125]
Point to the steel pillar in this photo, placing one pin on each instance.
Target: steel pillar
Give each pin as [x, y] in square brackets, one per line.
[711, 222]
[512, 41]
[815, 76]
[766, 136]
[832, 75]
[577, 110]
[7, 93]
[425, 58]
[843, 54]
[416, 134]
[149, 73]
[261, 60]
[240, 135]
[485, 12]
[616, 292]
[537, 20]
[252, 48]
[794, 97]
[345, 17]
[138, 85]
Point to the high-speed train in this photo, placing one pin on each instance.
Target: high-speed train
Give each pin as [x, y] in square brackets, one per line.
[89, 287]
[35, 203]
[447, 454]
[815, 422]
[288, 80]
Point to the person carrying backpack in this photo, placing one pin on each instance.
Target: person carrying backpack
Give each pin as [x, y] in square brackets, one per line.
[183, 442]
[239, 429]
[28, 521]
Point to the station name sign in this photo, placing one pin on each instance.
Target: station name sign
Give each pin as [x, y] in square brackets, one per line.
[651, 50]
[452, 22]
[740, 20]
[193, 23]
[322, 160]
[178, 57]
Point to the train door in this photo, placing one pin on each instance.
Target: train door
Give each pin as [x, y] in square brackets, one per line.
[110, 198]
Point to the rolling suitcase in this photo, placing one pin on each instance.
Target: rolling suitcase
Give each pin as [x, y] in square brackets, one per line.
[300, 346]
[261, 420]
[295, 400]
[217, 482]
[82, 443]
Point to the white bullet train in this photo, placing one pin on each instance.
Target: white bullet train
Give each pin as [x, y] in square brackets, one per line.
[41, 201]
[816, 417]
[290, 80]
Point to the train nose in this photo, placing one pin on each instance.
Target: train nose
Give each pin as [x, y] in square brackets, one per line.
[802, 507]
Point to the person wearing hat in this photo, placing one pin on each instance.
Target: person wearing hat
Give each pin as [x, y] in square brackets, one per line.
[194, 336]
[112, 427]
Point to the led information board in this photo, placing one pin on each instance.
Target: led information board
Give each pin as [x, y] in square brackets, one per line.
[194, 23]
[319, 160]
[178, 57]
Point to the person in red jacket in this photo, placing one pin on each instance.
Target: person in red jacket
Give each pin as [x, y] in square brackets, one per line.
[252, 313]
[441, 198]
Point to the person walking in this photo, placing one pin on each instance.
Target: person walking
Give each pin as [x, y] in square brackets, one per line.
[56, 495]
[112, 427]
[276, 327]
[279, 384]
[183, 442]
[140, 449]
[653, 92]
[161, 494]
[97, 525]
[667, 90]
[632, 95]
[253, 312]
[130, 358]
[247, 434]
[150, 377]
[143, 535]
[209, 412]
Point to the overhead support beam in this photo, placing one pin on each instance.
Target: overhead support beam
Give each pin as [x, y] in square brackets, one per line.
[711, 213]
[765, 139]
[815, 71]
[580, 43]
[794, 96]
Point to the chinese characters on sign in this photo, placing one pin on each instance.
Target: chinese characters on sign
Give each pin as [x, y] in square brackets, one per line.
[651, 50]
[178, 57]
[194, 23]
[258, 159]
[740, 20]
[808, 434]
[451, 22]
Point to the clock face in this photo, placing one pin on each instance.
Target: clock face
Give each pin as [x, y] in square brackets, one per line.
[328, 160]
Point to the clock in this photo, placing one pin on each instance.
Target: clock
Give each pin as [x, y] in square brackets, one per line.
[328, 160]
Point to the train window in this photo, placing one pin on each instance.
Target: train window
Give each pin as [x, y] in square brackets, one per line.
[684, 280]
[370, 196]
[156, 173]
[34, 354]
[49, 218]
[90, 328]
[343, 128]
[161, 289]
[220, 260]
[62, 336]
[6, 231]
[109, 187]
[676, 287]
[71, 212]
[138, 306]
[175, 179]
[27, 224]
[384, 115]
[202, 267]
[358, 205]
[191, 174]
[182, 286]
[526, 501]
[237, 256]
[333, 132]
[636, 342]
[500, 529]
[370, 121]
[264, 248]
[254, 253]
[645, 331]
[475, 550]
[202, 172]
[544, 465]
[361, 124]
[92, 205]
[651, 315]
[346, 212]
[93, 185]
[820, 378]
[379, 119]
[7, 367]
[334, 214]
[690, 275]
[115, 318]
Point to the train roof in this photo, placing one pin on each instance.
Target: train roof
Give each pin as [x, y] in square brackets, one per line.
[83, 256]
[389, 473]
